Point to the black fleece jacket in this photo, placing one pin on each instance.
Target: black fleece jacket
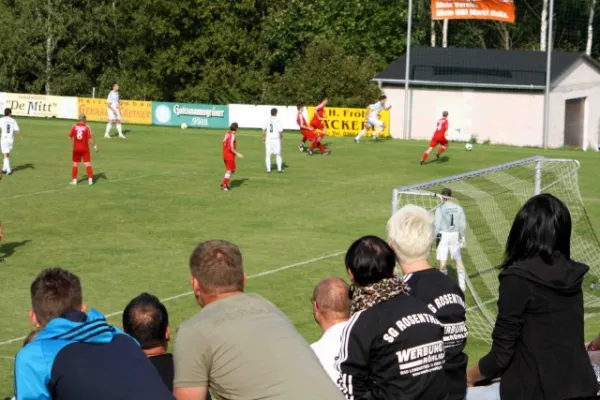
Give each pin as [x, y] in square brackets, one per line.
[538, 341]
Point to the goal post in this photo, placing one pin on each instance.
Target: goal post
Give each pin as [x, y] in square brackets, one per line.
[491, 198]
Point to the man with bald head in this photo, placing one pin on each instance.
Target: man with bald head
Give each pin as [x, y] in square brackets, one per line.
[331, 309]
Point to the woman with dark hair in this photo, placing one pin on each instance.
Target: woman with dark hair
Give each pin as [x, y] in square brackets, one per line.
[538, 348]
[392, 346]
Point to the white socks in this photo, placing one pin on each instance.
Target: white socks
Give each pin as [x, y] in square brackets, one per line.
[268, 162]
[279, 163]
[6, 165]
[108, 127]
[462, 279]
[377, 132]
[120, 129]
[360, 134]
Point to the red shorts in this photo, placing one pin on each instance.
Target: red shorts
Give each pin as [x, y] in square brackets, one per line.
[229, 164]
[438, 140]
[311, 135]
[317, 124]
[78, 155]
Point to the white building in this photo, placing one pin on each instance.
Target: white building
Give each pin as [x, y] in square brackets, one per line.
[497, 95]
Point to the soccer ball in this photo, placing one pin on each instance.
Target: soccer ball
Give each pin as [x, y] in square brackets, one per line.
[184, 126]
[468, 146]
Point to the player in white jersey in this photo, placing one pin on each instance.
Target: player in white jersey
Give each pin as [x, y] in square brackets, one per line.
[272, 134]
[373, 118]
[114, 113]
[9, 127]
[451, 229]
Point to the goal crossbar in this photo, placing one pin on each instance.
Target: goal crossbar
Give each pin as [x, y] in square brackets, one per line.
[475, 173]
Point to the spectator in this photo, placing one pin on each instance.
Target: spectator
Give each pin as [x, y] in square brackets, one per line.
[537, 346]
[240, 345]
[411, 235]
[331, 309]
[79, 356]
[146, 319]
[392, 347]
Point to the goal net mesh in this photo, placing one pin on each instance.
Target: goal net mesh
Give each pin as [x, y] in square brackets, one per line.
[491, 199]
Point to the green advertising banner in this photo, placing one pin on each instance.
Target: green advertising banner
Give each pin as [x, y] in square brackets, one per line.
[193, 115]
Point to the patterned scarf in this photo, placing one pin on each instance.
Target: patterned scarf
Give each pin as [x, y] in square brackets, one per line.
[365, 297]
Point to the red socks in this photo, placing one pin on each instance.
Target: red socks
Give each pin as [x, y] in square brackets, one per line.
[226, 179]
[74, 171]
[89, 171]
[425, 155]
[442, 149]
[317, 142]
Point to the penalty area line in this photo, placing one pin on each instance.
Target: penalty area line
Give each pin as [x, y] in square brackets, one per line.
[178, 296]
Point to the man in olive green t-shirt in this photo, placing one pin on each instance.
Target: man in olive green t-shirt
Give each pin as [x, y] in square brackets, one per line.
[240, 346]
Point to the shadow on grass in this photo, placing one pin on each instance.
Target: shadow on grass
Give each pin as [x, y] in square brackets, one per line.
[238, 182]
[23, 167]
[95, 178]
[8, 249]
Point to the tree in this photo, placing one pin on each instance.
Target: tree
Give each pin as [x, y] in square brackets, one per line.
[346, 80]
[590, 28]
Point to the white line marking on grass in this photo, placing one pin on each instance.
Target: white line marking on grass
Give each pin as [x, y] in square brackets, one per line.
[473, 308]
[7, 358]
[67, 187]
[178, 296]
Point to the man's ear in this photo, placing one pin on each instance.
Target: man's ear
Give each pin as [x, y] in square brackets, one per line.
[168, 333]
[33, 318]
[83, 307]
[245, 278]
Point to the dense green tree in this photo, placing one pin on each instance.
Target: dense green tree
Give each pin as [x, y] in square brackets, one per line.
[245, 51]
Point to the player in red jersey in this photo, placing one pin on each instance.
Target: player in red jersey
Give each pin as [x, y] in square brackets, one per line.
[229, 154]
[308, 133]
[439, 137]
[317, 119]
[80, 135]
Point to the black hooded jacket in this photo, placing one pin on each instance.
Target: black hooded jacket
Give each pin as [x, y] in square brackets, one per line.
[538, 341]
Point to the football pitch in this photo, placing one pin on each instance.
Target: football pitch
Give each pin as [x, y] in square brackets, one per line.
[157, 196]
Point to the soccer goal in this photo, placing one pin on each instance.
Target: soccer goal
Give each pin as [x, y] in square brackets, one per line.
[491, 198]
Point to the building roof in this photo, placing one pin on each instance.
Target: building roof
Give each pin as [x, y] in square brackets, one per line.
[485, 68]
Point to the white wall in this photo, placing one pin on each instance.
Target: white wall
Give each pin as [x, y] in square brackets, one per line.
[582, 82]
[513, 118]
[254, 116]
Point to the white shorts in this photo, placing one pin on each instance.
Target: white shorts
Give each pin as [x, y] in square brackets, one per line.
[273, 147]
[114, 116]
[449, 243]
[371, 122]
[6, 146]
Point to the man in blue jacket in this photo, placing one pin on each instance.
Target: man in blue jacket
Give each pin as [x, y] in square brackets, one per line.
[79, 356]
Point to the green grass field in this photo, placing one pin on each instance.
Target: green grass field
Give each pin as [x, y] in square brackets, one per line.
[157, 196]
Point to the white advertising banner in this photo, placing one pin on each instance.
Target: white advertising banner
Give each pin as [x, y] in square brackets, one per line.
[2, 101]
[254, 116]
[36, 105]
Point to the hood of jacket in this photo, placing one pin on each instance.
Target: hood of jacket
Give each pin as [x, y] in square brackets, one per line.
[563, 276]
[78, 327]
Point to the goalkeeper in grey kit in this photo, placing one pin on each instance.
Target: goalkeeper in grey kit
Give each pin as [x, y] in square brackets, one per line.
[451, 230]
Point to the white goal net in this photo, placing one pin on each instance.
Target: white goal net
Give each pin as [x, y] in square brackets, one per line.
[491, 199]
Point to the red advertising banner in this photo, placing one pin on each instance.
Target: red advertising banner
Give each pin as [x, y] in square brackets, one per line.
[497, 10]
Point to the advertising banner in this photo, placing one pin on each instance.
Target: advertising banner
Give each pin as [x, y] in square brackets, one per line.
[497, 10]
[255, 116]
[194, 115]
[132, 111]
[37, 105]
[349, 121]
